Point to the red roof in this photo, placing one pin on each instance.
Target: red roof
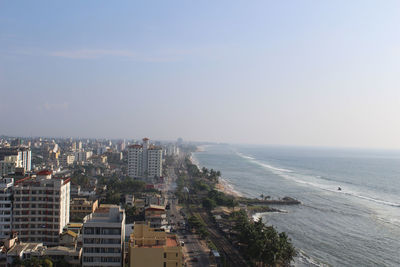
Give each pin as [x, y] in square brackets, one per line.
[149, 186]
[44, 172]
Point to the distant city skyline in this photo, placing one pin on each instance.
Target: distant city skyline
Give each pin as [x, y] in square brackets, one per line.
[304, 73]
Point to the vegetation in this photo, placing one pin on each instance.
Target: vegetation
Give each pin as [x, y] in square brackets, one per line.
[261, 244]
[131, 214]
[195, 222]
[194, 171]
[117, 188]
[36, 262]
[222, 199]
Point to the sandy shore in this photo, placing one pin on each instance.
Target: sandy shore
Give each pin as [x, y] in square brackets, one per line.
[225, 187]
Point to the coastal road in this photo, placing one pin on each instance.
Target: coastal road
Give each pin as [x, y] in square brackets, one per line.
[195, 251]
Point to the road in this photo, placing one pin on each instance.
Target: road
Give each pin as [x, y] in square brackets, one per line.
[195, 251]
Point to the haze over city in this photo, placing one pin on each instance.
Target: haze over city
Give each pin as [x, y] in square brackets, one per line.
[308, 73]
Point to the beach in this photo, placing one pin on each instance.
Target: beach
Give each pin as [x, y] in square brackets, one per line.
[227, 188]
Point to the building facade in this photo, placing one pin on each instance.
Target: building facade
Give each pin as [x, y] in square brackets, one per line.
[145, 160]
[156, 216]
[153, 247]
[6, 194]
[19, 156]
[41, 208]
[80, 207]
[103, 237]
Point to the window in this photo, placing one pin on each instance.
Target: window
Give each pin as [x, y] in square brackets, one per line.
[165, 255]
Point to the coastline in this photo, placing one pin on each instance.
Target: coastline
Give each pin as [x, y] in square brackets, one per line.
[223, 185]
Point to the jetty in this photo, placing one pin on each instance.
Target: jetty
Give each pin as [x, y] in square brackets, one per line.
[282, 201]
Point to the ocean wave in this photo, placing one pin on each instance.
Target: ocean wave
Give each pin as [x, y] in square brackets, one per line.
[333, 189]
[391, 221]
[384, 202]
[302, 259]
[244, 156]
[291, 175]
[194, 160]
[262, 164]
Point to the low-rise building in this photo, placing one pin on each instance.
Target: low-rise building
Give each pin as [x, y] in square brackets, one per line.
[80, 207]
[129, 200]
[24, 251]
[140, 204]
[154, 247]
[156, 216]
[69, 254]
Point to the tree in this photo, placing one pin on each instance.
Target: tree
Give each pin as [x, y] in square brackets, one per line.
[209, 203]
[47, 263]
[204, 170]
[263, 244]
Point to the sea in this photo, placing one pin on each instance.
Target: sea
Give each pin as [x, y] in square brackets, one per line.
[358, 225]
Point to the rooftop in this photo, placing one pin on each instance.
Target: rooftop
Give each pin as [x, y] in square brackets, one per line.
[106, 213]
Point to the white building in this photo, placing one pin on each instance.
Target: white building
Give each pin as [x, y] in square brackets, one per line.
[154, 162]
[67, 159]
[135, 161]
[82, 156]
[104, 236]
[172, 150]
[9, 163]
[144, 160]
[20, 155]
[41, 208]
[6, 187]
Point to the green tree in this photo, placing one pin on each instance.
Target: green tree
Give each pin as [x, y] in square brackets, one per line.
[208, 203]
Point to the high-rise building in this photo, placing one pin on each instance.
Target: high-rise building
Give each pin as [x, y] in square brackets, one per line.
[79, 147]
[154, 162]
[104, 237]
[41, 207]
[135, 161]
[6, 187]
[144, 160]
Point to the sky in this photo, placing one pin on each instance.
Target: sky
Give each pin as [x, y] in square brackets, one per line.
[307, 73]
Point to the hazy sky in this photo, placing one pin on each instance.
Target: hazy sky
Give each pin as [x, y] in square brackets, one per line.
[323, 73]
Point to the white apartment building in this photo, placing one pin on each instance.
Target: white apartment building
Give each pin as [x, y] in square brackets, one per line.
[20, 155]
[6, 188]
[135, 161]
[67, 159]
[41, 208]
[103, 237]
[9, 163]
[82, 156]
[144, 160]
[154, 162]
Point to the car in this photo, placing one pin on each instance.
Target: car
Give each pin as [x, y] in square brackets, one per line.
[182, 243]
[184, 236]
[195, 259]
